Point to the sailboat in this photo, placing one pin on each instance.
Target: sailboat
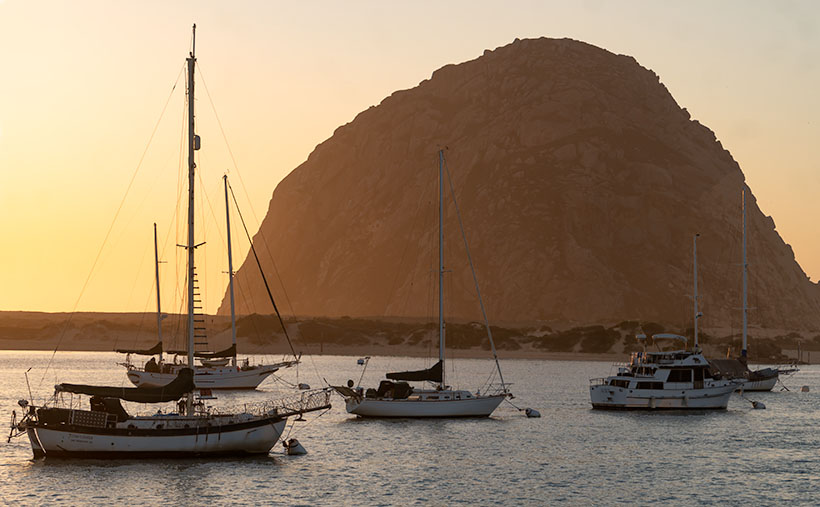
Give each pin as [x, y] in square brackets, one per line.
[107, 430]
[396, 398]
[756, 380]
[213, 372]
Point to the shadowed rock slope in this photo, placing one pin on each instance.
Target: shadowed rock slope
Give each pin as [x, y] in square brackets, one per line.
[581, 183]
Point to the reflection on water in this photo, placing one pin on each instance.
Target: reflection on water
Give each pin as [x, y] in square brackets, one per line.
[571, 453]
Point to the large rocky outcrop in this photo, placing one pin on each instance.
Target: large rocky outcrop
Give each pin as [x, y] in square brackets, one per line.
[581, 183]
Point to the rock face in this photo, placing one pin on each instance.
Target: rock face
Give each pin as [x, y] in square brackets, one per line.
[580, 181]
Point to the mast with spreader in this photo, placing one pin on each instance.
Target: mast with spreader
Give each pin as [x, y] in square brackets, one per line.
[193, 145]
[230, 269]
[697, 314]
[743, 351]
[159, 306]
[441, 265]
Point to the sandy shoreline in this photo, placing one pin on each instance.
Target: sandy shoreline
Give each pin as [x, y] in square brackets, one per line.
[92, 345]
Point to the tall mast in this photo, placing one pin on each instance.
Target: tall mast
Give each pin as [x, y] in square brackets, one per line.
[192, 146]
[745, 275]
[441, 263]
[159, 307]
[697, 313]
[230, 268]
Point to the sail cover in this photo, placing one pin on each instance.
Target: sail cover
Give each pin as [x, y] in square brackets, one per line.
[184, 383]
[153, 351]
[433, 374]
[229, 352]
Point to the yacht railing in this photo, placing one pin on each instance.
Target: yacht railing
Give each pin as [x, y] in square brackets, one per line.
[306, 401]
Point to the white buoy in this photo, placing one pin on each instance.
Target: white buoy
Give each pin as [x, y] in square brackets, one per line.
[758, 405]
[531, 412]
[804, 389]
[293, 447]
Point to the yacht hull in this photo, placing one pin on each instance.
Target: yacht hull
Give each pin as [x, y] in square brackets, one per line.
[474, 407]
[228, 377]
[611, 397]
[249, 438]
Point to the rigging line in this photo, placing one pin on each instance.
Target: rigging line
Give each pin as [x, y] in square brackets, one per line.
[144, 308]
[264, 279]
[472, 270]
[244, 188]
[110, 228]
[253, 212]
[181, 177]
[225, 138]
[416, 216]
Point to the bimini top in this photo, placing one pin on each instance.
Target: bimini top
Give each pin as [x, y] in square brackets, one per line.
[174, 390]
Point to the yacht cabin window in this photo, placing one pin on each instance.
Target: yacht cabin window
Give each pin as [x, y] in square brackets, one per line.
[680, 375]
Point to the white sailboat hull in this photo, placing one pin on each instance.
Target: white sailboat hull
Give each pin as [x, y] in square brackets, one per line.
[759, 385]
[228, 377]
[611, 397]
[241, 440]
[481, 406]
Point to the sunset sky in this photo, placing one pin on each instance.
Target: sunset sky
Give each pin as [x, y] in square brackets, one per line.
[83, 84]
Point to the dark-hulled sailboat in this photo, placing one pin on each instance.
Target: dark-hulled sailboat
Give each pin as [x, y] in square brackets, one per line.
[106, 430]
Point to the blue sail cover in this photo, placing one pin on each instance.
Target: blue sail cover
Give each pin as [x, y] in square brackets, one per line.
[176, 389]
[229, 352]
[153, 351]
[433, 374]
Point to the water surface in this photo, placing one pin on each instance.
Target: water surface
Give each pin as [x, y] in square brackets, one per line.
[571, 455]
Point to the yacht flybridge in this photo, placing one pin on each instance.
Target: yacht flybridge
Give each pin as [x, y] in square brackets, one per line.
[396, 398]
[57, 428]
[678, 379]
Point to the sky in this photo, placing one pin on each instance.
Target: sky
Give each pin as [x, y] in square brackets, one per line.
[92, 100]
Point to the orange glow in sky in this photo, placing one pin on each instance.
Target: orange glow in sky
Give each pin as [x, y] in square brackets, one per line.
[82, 85]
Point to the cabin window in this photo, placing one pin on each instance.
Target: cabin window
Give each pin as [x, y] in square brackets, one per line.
[680, 375]
[619, 383]
[650, 385]
[699, 374]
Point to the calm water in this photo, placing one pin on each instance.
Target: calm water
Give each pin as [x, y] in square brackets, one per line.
[571, 455]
